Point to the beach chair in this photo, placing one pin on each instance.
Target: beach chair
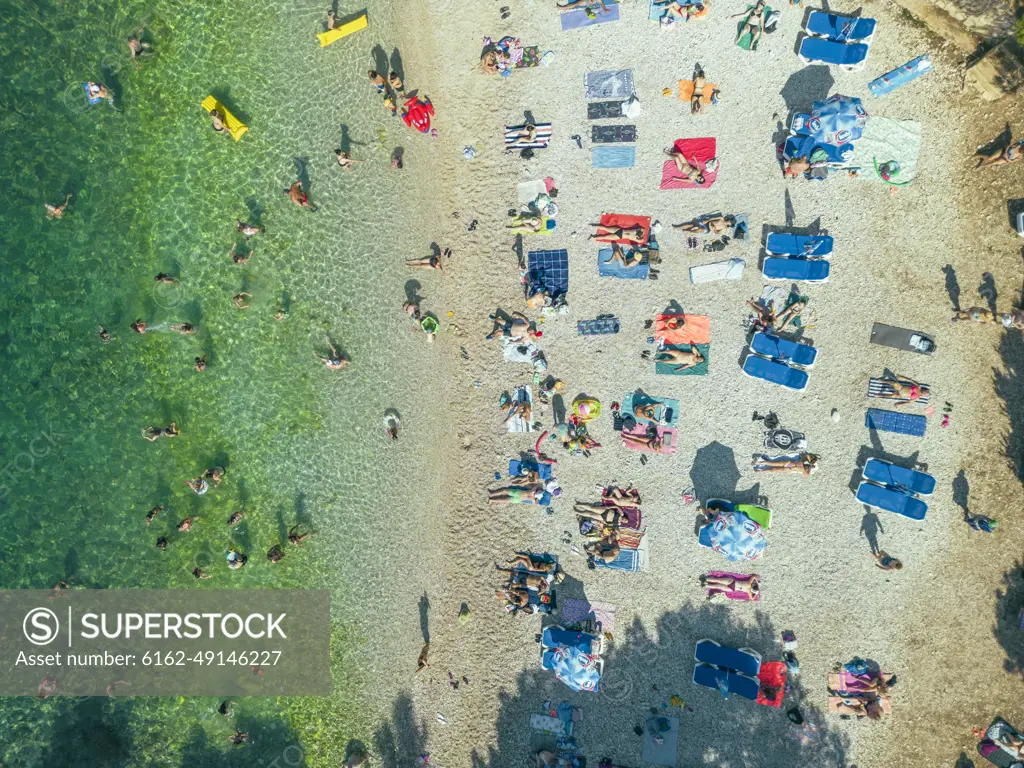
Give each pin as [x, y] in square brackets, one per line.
[805, 246]
[893, 500]
[848, 57]
[746, 661]
[841, 29]
[902, 338]
[889, 474]
[783, 350]
[786, 268]
[776, 373]
[726, 681]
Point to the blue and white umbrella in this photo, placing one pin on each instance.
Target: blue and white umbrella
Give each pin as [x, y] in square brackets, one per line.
[575, 666]
[737, 536]
[837, 120]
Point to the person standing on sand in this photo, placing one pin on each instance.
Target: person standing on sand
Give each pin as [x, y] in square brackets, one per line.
[421, 662]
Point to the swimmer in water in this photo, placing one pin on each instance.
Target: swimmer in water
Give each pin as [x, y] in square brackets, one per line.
[217, 118]
[281, 314]
[246, 229]
[152, 433]
[240, 300]
[238, 258]
[296, 535]
[238, 738]
[236, 518]
[161, 543]
[163, 277]
[298, 196]
[139, 326]
[236, 559]
[104, 335]
[275, 554]
[216, 474]
[335, 362]
[391, 426]
[137, 47]
[185, 329]
[200, 365]
[153, 513]
[56, 211]
[185, 525]
[345, 160]
[198, 484]
[199, 573]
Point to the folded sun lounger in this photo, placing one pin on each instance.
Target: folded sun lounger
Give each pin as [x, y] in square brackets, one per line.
[600, 326]
[742, 660]
[717, 270]
[609, 84]
[541, 140]
[696, 329]
[775, 373]
[697, 152]
[902, 338]
[787, 268]
[666, 409]
[578, 18]
[898, 423]
[612, 134]
[613, 156]
[733, 682]
[880, 388]
[604, 110]
[891, 500]
[842, 29]
[783, 350]
[669, 439]
[700, 369]
[781, 244]
[608, 268]
[900, 76]
[887, 473]
[817, 50]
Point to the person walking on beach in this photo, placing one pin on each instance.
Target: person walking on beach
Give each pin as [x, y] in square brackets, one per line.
[56, 211]
[378, 80]
[421, 662]
[395, 81]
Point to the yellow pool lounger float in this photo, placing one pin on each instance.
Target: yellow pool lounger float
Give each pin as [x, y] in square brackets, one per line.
[328, 37]
[235, 126]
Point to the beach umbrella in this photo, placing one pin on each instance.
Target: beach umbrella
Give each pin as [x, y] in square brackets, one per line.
[837, 120]
[575, 665]
[737, 536]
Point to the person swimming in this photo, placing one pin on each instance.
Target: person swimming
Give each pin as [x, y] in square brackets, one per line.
[200, 365]
[198, 485]
[186, 329]
[56, 211]
[335, 362]
[246, 229]
[236, 518]
[239, 258]
[216, 474]
[186, 525]
[139, 326]
[139, 48]
[152, 433]
[199, 573]
[153, 513]
[296, 535]
[163, 277]
[161, 543]
[217, 118]
[236, 559]
[240, 300]
[298, 196]
[275, 554]
[345, 159]
[104, 335]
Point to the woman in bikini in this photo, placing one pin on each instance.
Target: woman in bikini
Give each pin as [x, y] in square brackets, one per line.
[806, 464]
[652, 442]
[603, 234]
[648, 411]
[517, 596]
[904, 390]
[749, 586]
[610, 516]
[697, 99]
[523, 137]
[754, 23]
[526, 492]
[605, 550]
[681, 359]
[790, 314]
[716, 225]
[978, 315]
[527, 561]
[690, 171]
[298, 196]
[217, 118]
[427, 262]
[1005, 156]
[532, 223]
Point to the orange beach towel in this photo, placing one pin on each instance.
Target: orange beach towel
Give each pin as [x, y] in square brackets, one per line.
[696, 329]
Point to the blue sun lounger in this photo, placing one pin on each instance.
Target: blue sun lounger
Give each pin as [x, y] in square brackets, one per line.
[887, 473]
[808, 270]
[781, 244]
[841, 29]
[803, 144]
[898, 423]
[891, 500]
[718, 679]
[743, 660]
[776, 373]
[817, 50]
[783, 350]
[517, 468]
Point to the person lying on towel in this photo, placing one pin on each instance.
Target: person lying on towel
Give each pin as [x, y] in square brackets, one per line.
[690, 172]
[609, 516]
[697, 99]
[904, 390]
[680, 359]
[750, 586]
[524, 137]
[651, 441]
[526, 492]
[605, 550]
[590, 5]
[676, 12]
[527, 221]
[634, 258]
[806, 464]
[715, 225]
[533, 581]
[603, 234]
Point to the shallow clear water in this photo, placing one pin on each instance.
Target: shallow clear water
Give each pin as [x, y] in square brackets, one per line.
[155, 190]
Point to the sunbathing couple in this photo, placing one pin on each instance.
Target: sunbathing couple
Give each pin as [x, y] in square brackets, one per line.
[526, 574]
[606, 518]
[527, 491]
[635, 234]
[904, 391]
[516, 408]
[515, 327]
[716, 224]
[764, 315]
[805, 463]
[747, 585]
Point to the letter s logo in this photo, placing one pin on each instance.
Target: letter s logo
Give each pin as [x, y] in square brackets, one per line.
[40, 626]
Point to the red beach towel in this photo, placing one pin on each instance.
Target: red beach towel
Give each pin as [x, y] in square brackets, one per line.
[700, 149]
[624, 221]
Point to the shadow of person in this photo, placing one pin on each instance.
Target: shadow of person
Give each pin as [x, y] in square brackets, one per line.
[961, 492]
[870, 526]
[952, 286]
[380, 61]
[425, 617]
[412, 291]
[302, 171]
[396, 64]
[987, 290]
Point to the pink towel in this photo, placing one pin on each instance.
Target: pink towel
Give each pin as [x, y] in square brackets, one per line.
[700, 150]
[733, 595]
[667, 434]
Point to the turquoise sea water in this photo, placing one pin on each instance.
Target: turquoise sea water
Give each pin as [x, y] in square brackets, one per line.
[155, 190]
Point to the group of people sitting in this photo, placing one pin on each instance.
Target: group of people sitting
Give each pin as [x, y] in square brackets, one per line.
[862, 691]
[601, 523]
[529, 583]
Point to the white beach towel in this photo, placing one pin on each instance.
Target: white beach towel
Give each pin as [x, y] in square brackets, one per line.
[519, 351]
[718, 270]
[885, 140]
[520, 423]
[609, 84]
[529, 190]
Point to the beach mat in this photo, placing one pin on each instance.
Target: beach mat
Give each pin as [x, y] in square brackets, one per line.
[700, 369]
[608, 268]
[612, 134]
[531, 58]
[717, 270]
[993, 752]
[520, 423]
[527, 191]
[578, 18]
[600, 326]
[576, 611]
[885, 140]
[604, 110]
[627, 560]
[664, 753]
[611, 156]
[900, 76]
[697, 151]
[879, 387]
[670, 439]
[898, 423]
[898, 338]
[696, 329]
[626, 221]
[686, 91]
[541, 140]
[734, 595]
[550, 269]
[609, 84]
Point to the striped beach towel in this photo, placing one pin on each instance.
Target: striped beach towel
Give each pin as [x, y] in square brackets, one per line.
[882, 388]
[541, 140]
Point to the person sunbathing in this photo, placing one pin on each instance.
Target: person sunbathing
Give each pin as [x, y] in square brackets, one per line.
[517, 596]
[632, 259]
[713, 225]
[753, 23]
[749, 586]
[697, 99]
[905, 390]
[605, 550]
[531, 486]
[1008, 741]
[807, 463]
[565, 5]
[675, 12]
[604, 234]
[796, 166]
[515, 327]
[527, 561]
[691, 172]
[621, 498]
[427, 262]
[532, 223]
[790, 314]
[869, 708]
[517, 410]
[647, 411]
[611, 516]
[535, 581]
[523, 137]
[651, 441]
[978, 315]
[680, 359]
[1004, 156]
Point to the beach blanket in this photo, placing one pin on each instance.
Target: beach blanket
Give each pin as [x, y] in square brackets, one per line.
[600, 326]
[666, 409]
[993, 751]
[547, 227]
[612, 134]
[626, 221]
[717, 270]
[541, 140]
[885, 140]
[669, 439]
[898, 423]
[553, 725]
[549, 269]
[528, 191]
[628, 538]
[520, 423]
[519, 351]
[530, 59]
[879, 388]
[696, 329]
[604, 110]
[686, 91]
[611, 156]
[771, 676]
[631, 517]
[745, 41]
[576, 611]
[697, 152]
[667, 731]
[733, 595]
[900, 76]
[627, 560]
[579, 18]
[902, 338]
[609, 84]
[700, 369]
[608, 268]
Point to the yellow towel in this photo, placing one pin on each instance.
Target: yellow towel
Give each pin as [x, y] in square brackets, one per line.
[686, 91]
[328, 37]
[235, 126]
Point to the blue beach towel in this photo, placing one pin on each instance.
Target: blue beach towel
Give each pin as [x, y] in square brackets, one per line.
[578, 18]
[600, 326]
[517, 468]
[808, 270]
[887, 473]
[627, 560]
[817, 50]
[550, 269]
[891, 500]
[900, 76]
[898, 423]
[608, 268]
[610, 156]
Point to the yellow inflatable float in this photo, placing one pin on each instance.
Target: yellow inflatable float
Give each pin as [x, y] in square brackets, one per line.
[328, 37]
[235, 126]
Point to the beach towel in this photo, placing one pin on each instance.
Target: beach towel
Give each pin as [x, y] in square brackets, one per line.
[772, 675]
[898, 423]
[879, 388]
[609, 84]
[611, 156]
[627, 560]
[885, 140]
[697, 152]
[626, 221]
[604, 110]
[666, 409]
[669, 439]
[717, 270]
[528, 191]
[541, 140]
[612, 134]
[553, 725]
[900, 76]
[700, 369]
[686, 91]
[520, 423]
[667, 731]
[547, 227]
[600, 326]
[745, 41]
[530, 59]
[576, 611]
[549, 269]
[992, 751]
[517, 468]
[733, 595]
[837, 705]
[696, 329]
[608, 268]
[631, 517]
[629, 538]
[902, 338]
[578, 18]
[519, 351]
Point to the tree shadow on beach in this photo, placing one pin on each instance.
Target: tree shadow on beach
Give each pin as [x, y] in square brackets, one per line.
[403, 739]
[643, 668]
[1009, 386]
[1007, 631]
